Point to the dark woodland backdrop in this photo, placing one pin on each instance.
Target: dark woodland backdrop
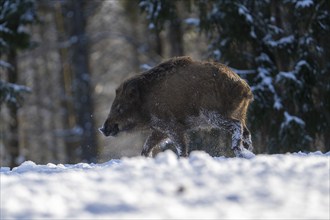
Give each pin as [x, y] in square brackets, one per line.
[62, 60]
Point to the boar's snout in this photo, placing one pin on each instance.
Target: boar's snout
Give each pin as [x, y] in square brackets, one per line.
[109, 130]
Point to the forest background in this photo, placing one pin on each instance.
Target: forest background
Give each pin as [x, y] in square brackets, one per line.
[61, 61]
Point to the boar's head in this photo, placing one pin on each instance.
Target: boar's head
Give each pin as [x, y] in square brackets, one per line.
[125, 113]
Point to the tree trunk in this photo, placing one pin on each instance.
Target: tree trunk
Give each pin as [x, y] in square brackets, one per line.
[12, 141]
[53, 145]
[83, 102]
[131, 8]
[67, 110]
[175, 37]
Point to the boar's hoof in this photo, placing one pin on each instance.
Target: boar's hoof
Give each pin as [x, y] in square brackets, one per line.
[145, 153]
[243, 153]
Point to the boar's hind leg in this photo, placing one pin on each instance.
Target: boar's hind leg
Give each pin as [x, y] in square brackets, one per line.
[236, 129]
[247, 142]
[233, 126]
[155, 138]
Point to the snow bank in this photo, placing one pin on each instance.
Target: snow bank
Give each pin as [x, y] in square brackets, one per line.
[267, 186]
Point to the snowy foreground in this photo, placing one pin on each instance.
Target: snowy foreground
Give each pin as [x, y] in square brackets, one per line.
[267, 186]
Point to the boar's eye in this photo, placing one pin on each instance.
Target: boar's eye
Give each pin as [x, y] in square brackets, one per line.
[119, 109]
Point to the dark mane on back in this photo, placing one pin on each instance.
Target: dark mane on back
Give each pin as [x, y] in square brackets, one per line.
[158, 72]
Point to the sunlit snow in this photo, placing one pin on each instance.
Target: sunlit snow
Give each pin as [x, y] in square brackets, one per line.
[288, 186]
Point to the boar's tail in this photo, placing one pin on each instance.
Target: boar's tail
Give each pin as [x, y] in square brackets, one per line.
[245, 90]
[249, 95]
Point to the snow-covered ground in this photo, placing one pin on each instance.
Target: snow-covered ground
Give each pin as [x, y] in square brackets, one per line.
[268, 186]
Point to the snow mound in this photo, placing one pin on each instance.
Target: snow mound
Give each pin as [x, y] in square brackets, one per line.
[266, 186]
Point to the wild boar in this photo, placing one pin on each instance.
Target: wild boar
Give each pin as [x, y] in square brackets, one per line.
[179, 95]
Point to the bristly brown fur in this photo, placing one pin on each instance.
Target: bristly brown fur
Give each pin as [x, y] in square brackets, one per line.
[166, 97]
[160, 71]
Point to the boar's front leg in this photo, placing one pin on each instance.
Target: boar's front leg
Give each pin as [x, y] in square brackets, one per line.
[173, 130]
[155, 138]
[177, 135]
